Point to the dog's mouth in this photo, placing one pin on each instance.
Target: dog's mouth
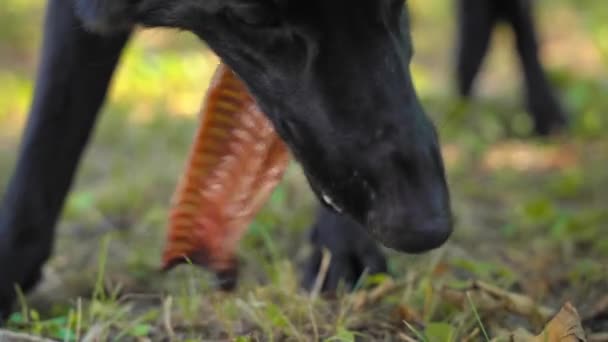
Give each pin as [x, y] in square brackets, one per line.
[351, 195]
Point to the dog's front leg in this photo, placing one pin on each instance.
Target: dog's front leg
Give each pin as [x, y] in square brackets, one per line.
[76, 67]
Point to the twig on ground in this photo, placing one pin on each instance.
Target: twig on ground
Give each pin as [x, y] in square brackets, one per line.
[9, 336]
[167, 304]
[406, 338]
[489, 298]
[323, 269]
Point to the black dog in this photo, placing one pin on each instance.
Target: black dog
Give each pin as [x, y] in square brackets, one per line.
[332, 76]
[477, 20]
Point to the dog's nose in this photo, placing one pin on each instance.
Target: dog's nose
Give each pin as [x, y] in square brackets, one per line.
[409, 233]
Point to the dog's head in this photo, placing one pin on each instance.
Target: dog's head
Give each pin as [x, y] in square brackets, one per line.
[333, 77]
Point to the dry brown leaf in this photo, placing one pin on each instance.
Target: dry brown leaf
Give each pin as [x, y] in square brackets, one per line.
[564, 327]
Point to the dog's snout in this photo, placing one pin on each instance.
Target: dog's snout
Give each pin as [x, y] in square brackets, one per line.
[412, 234]
[413, 214]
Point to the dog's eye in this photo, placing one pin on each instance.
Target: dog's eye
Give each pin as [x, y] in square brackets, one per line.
[253, 14]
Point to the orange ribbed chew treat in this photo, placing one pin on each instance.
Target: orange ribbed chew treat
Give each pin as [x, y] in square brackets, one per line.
[236, 161]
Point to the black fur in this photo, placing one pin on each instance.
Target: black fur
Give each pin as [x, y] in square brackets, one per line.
[75, 69]
[332, 76]
[106, 17]
[352, 252]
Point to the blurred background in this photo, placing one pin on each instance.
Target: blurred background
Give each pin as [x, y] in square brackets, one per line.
[531, 213]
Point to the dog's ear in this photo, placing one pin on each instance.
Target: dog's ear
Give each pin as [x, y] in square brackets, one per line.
[106, 16]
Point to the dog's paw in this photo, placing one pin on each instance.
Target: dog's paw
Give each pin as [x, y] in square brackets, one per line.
[352, 253]
[344, 268]
[19, 268]
[6, 304]
[547, 114]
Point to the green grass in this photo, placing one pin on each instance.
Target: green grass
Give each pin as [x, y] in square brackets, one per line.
[536, 227]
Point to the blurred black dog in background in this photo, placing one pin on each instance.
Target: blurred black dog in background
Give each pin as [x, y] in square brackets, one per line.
[476, 21]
